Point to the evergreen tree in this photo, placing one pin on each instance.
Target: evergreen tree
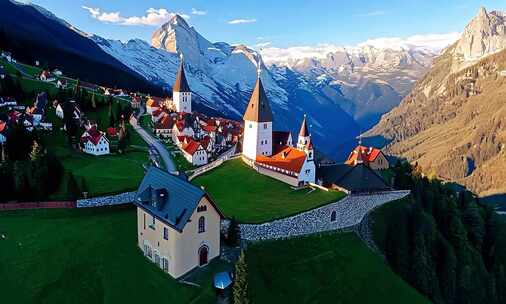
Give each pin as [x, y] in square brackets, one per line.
[73, 191]
[233, 233]
[19, 143]
[240, 288]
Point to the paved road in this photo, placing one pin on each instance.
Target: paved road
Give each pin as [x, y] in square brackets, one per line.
[150, 140]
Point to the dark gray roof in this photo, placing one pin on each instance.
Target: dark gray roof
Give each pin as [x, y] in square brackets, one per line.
[359, 178]
[168, 197]
[258, 108]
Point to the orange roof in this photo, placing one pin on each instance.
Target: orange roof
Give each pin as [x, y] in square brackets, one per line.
[191, 147]
[153, 102]
[367, 154]
[2, 125]
[288, 158]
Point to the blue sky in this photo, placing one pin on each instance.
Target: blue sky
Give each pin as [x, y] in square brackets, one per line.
[281, 23]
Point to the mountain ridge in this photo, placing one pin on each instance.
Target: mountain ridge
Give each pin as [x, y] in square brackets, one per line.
[453, 123]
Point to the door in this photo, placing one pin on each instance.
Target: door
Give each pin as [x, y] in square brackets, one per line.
[203, 252]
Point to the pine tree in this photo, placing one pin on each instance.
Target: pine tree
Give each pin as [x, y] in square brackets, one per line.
[240, 288]
[72, 187]
[234, 234]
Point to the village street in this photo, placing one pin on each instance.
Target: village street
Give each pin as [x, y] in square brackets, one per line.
[150, 140]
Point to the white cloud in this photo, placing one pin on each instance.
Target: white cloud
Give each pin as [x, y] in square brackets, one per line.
[371, 14]
[198, 12]
[433, 42]
[263, 44]
[241, 21]
[152, 17]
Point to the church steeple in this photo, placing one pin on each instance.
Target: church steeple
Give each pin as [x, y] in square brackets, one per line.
[258, 108]
[257, 138]
[181, 93]
[304, 140]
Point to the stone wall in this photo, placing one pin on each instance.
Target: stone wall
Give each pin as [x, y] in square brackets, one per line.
[348, 212]
[123, 198]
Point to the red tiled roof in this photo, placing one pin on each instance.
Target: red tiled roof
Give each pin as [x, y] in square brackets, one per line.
[92, 135]
[191, 147]
[112, 131]
[153, 102]
[205, 142]
[165, 123]
[2, 126]
[367, 154]
[288, 158]
[157, 112]
[209, 128]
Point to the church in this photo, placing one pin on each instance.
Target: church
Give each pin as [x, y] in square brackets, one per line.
[272, 153]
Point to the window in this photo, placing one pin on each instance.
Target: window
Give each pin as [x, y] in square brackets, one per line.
[144, 220]
[250, 126]
[202, 208]
[265, 126]
[165, 233]
[165, 265]
[202, 224]
[152, 225]
[333, 216]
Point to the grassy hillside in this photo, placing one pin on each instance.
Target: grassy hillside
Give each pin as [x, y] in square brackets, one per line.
[327, 268]
[85, 256]
[242, 193]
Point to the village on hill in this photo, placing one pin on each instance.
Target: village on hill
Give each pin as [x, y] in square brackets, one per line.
[205, 188]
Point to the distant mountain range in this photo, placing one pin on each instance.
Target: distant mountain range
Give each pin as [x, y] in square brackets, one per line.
[453, 123]
[343, 93]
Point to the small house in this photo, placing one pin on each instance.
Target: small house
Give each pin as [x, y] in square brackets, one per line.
[178, 225]
[94, 142]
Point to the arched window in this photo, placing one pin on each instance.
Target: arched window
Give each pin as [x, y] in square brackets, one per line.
[202, 224]
[333, 216]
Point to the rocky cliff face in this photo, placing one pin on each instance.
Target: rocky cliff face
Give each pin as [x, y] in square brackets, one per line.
[484, 35]
[453, 123]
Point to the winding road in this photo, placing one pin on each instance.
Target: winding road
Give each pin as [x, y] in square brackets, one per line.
[150, 140]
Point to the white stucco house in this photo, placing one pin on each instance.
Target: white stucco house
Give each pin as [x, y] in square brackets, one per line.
[178, 225]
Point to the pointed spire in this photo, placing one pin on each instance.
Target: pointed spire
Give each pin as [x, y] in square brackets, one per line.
[181, 85]
[258, 108]
[304, 131]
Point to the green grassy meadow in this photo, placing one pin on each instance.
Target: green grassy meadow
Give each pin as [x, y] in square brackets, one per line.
[326, 268]
[241, 192]
[86, 256]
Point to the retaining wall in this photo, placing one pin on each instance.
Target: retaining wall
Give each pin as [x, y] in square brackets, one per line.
[119, 199]
[348, 212]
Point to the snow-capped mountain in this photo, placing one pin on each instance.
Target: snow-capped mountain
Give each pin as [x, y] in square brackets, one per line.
[223, 75]
[374, 79]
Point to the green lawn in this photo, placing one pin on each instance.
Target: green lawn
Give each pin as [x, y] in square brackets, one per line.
[85, 256]
[250, 197]
[107, 174]
[327, 268]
